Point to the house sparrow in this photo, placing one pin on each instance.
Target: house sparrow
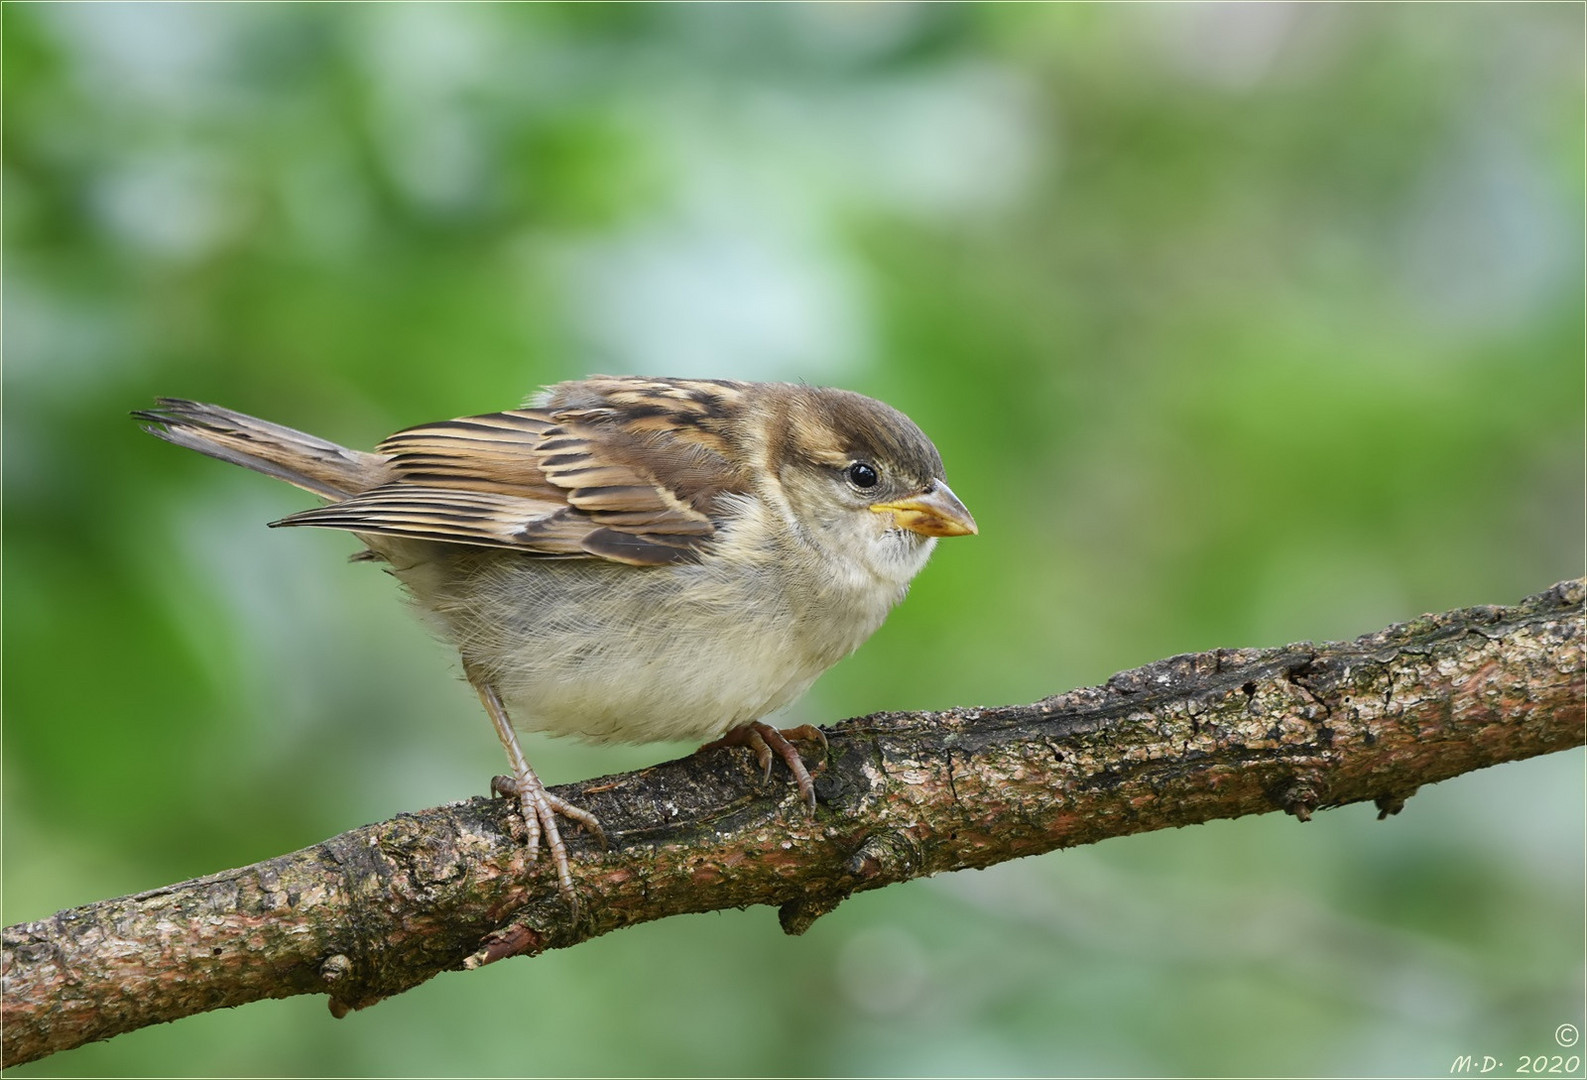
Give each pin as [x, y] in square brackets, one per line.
[629, 559]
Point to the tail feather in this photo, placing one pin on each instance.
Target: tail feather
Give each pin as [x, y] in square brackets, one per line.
[305, 461]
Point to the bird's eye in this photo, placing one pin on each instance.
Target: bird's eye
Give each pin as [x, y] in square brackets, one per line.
[861, 475]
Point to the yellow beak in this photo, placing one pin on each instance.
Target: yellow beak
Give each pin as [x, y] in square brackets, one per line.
[936, 511]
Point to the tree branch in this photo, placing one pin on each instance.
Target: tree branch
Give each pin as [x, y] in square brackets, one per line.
[380, 909]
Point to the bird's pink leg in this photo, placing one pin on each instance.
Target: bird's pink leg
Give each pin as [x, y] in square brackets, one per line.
[538, 806]
[766, 740]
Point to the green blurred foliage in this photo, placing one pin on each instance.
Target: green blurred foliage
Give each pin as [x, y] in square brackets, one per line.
[1235, 325]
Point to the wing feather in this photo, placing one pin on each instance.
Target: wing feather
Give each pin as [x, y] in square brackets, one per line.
[626, 469]
[452, 515]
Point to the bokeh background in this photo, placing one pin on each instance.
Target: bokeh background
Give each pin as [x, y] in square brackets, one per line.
[1236, 325]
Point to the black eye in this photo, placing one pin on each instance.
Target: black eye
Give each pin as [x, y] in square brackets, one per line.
[861, 475]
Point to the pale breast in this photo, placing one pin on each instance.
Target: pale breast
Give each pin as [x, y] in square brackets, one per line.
[638, 654]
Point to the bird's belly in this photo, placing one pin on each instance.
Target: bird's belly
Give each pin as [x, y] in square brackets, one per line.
[682, 689]
[615, 653]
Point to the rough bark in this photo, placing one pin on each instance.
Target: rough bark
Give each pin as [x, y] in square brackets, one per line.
[1220, 734]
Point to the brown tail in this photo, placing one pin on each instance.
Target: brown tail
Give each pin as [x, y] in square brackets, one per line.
[310, 463]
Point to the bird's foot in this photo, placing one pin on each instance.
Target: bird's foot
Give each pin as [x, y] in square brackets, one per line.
[540, 809]
[538, 806]
[766, 740]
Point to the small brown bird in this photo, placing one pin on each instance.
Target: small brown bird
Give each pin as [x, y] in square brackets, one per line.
[629, 559]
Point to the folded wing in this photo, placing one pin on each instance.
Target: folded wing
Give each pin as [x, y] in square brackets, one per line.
[608, 479]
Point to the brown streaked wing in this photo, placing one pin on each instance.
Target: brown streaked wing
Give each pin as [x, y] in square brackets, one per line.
[533, 527]
[618, 434]
[490, 453]
[456, 516]
[616, 468]
[612, 463]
